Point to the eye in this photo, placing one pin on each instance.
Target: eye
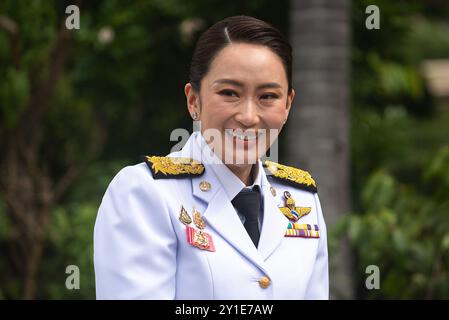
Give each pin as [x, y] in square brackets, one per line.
[228, 93]
[269, 96]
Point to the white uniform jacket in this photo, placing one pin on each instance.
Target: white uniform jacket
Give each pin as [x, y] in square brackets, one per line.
[141, 249]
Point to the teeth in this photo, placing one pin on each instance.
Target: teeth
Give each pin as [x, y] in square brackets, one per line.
[249, 136]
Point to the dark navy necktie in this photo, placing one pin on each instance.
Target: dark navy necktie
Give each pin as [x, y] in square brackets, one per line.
[247, 203]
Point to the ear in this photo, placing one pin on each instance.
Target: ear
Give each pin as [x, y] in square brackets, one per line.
[290, 99]
[192, 98]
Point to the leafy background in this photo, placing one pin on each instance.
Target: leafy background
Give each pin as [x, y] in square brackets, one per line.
[120, 93]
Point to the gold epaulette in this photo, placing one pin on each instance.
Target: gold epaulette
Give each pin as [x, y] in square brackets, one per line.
[173, 167]
[295, 177]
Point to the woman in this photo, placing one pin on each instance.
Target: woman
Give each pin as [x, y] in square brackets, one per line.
[212, 221]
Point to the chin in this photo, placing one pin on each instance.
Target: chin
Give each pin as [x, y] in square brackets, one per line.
[244, 157]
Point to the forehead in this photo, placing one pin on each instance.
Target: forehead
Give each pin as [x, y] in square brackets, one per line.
[248, 63]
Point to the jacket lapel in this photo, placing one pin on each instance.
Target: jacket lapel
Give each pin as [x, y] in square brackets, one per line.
[222, 217]
[274, 222]
[219, 214]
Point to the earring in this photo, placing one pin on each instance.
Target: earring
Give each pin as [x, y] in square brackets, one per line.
[195, 116]
[285, 121]
[196, 121]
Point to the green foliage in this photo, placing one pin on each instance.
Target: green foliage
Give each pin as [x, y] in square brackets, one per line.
[379, 140]
[386, 62]
[437, 175]
[385, 137]
[121, 87]
[115, 95]
[399, 181]
[69, 243]
[405, 232]
[4, 222]
[427, 40]
[13, 95]
[400, 187]
[70, 239]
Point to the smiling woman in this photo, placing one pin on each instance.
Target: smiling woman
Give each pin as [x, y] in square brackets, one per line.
[213, 221]
[245, 93]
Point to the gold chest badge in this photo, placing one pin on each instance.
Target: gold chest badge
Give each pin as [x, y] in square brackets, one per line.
[291, 211]
[196, 237]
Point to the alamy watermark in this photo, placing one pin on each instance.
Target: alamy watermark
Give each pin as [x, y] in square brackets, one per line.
[373, 280]
[73, 20]
[72, 282]
[373, 20]
[232, 146]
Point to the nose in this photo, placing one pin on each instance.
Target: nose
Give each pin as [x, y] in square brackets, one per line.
[247, 114]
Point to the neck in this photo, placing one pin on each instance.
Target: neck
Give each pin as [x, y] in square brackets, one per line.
[244, 173]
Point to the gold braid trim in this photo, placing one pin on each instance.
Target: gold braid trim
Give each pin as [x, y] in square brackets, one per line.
[290, 173]
[175, 166]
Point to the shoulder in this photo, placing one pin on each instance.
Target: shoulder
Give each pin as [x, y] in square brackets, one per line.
[136, 188]
[133, 179]
[291, 176]
[155, 171]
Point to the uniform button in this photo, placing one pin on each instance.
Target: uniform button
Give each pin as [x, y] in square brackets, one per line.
[264, 282]
[205, 186]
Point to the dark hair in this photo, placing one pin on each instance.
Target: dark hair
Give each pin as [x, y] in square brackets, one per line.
[237, 29]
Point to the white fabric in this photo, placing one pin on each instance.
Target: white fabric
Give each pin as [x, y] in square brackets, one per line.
[141, 250]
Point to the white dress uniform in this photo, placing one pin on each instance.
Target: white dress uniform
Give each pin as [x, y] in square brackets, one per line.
[145, 249]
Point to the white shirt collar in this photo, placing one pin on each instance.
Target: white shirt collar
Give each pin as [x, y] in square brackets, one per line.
[232, 185]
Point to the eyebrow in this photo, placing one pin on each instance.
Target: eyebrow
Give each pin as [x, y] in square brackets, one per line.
[240, 84]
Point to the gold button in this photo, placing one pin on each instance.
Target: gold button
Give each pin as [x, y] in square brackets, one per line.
[273, 191]
[205, 186]
[264, 282]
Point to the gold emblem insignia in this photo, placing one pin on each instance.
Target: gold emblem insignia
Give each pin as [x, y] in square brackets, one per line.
[273, 191]
[184, 216]
[195, 237]
[296, 177]
[162, 167]
[291, 211]
[199, 239]
[198, 219]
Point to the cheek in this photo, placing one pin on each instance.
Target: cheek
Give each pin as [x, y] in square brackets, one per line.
[215, 110]
[275, 117]
[214, 117]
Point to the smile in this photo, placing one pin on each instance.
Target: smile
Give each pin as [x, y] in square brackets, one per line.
[249, 135]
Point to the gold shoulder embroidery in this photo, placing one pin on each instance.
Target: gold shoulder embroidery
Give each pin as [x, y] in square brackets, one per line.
[170, 167]
[290, 175]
